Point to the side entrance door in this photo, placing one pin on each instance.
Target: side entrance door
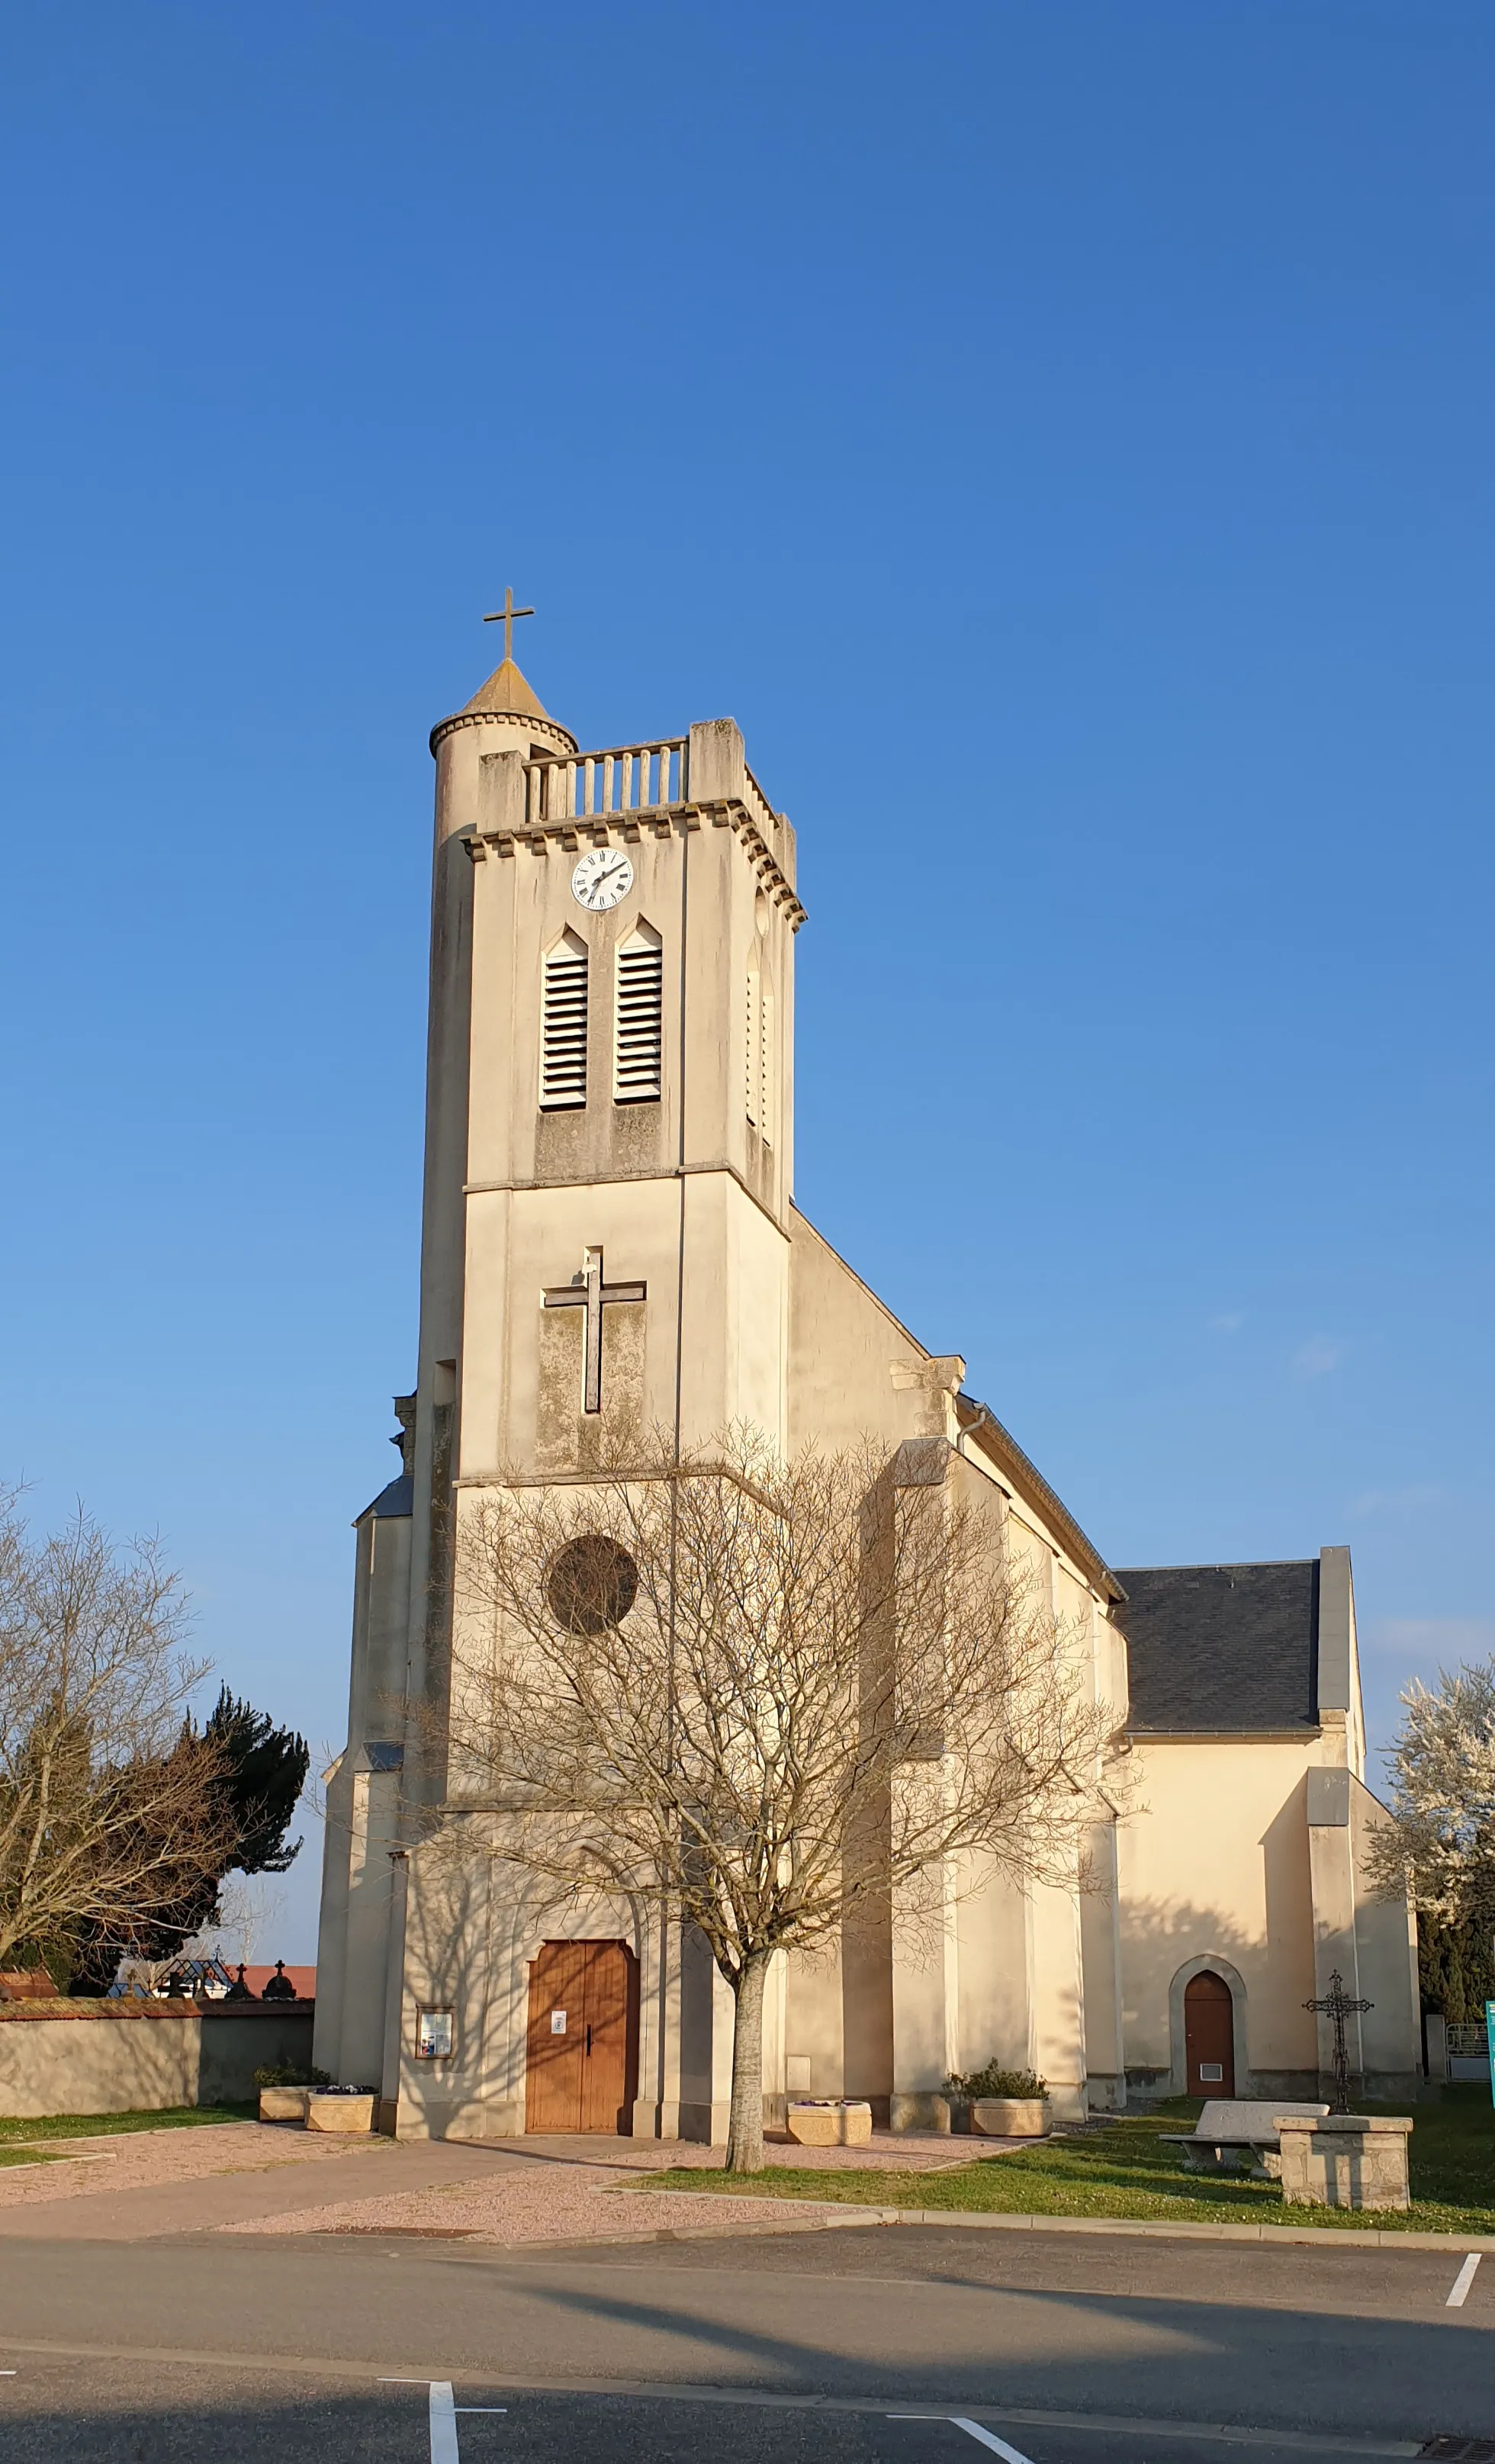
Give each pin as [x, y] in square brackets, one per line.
[1209, 2036]
[582, 2037]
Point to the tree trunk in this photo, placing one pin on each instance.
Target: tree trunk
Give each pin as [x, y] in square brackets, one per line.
[745, 2130]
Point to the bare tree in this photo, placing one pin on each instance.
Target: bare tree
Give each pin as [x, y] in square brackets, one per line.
[109, 1812]
[766, 1695]
[248, 1913]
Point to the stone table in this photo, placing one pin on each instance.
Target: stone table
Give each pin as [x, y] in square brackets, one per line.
[1344, 2160]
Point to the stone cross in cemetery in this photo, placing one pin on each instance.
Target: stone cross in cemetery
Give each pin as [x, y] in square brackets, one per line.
[1337, 2005]
[589, 1293]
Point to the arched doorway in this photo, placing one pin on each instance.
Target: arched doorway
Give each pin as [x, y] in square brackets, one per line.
[1209, 2036]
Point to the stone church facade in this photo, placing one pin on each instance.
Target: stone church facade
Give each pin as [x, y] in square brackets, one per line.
[609, 1238]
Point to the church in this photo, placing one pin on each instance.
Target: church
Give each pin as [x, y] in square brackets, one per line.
[609, 1238]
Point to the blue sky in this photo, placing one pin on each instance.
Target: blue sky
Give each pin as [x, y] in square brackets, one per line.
[1060, 434]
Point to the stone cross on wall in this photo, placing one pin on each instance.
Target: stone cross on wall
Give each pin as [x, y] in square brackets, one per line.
[589, 1291]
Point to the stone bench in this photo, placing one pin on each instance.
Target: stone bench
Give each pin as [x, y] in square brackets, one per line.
[1230, 2128]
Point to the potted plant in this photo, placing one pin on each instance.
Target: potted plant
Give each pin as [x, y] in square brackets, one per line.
[284, 2088]
[998, 2104]
[830, 2121]
[344, 2109]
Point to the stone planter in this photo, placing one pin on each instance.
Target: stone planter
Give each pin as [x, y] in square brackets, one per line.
[1011, 2117]
[283, 2103]
[350, 2116]
[836, 2121]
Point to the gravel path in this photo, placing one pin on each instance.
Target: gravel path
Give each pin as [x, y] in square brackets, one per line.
[139, 2160]
[548, 2203]
[535, 2190]
[563, 2196]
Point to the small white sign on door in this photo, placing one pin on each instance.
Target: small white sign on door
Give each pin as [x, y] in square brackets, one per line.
[558, 2023]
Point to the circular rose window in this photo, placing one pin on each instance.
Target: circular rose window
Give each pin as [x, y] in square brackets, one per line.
[592, 1584]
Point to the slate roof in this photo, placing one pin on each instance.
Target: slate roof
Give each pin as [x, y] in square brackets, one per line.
[1221, 1650]
[397, 1499]
[981, 1424]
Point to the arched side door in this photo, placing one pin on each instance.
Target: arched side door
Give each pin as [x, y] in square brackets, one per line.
[1209, 2036]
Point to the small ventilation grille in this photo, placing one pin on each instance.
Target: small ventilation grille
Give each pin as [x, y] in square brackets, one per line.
[638, 1045]
[765, 1070]
[562, 1065]
[753, 1044]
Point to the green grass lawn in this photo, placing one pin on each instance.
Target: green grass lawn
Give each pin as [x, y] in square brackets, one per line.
[1127, 2169]
[96, 2125]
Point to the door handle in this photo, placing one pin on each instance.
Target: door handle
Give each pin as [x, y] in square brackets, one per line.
[588, 2043]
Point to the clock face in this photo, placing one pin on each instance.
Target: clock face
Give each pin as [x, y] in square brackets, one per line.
[601, 879]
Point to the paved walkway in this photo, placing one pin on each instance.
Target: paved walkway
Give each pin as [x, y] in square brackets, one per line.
[180, 2181]
[247, 2177]
[567, 2189]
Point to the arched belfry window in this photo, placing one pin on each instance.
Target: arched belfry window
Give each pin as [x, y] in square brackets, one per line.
[562, 1033]
[639, 1019]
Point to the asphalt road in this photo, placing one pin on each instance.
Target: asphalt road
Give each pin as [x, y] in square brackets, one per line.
[1055, 2348]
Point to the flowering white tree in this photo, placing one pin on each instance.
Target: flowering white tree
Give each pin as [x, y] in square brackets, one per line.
[1441, 1843]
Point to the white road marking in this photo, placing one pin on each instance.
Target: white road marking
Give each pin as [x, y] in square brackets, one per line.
[443, 2424]
[972, 2429]
[1462, 2281]
[988, 2439]
[480, 2408]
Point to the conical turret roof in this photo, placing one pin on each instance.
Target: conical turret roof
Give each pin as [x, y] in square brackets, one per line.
[507, 693]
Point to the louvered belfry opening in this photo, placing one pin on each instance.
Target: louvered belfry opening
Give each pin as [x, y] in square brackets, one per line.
[562, 1062]
[639, 1028]
[765, 1068]
[760, 1055]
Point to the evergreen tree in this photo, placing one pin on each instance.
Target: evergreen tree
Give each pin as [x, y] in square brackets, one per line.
[265, 1771]
[1455, 1967]
[262, 1771]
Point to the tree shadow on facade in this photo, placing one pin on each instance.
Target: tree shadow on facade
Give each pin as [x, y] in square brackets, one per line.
[1163, 1943]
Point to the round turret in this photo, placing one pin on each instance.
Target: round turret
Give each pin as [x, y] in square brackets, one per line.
[504, 715]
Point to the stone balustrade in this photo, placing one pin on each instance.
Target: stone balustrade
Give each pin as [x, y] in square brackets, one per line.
[758, 806]
[627, 779]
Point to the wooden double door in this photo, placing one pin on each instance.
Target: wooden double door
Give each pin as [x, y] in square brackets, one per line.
[582, 2055]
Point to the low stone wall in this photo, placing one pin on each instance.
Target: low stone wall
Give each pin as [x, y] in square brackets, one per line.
[101, 2057]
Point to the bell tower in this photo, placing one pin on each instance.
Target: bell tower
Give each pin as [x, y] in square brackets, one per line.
[610, 1111]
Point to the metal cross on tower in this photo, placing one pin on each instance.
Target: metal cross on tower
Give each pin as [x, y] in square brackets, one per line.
[506, 616]
[588, 1292]
[1337, 2005]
